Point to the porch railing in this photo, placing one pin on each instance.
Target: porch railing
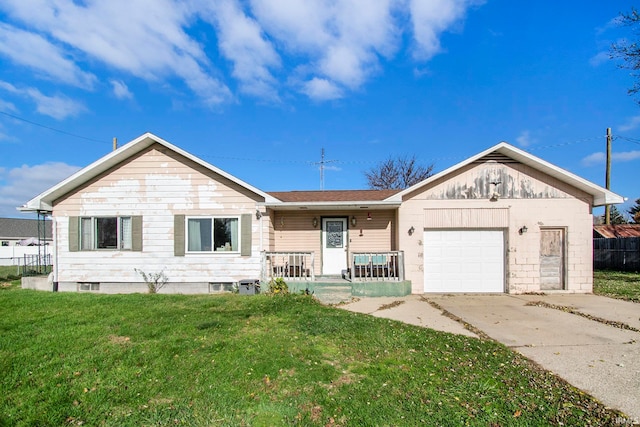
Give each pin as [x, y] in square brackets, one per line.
[288, 265]
[371, 266]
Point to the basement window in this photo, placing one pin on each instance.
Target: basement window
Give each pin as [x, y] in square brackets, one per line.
[215, 287]
[88, 287]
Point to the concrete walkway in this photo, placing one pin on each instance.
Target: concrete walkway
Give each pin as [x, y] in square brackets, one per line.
[586, 349]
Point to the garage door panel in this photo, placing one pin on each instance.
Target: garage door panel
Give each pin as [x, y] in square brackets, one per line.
[464, 260]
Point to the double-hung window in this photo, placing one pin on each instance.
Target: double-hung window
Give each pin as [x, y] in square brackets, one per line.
[105, 233]
[213, 234]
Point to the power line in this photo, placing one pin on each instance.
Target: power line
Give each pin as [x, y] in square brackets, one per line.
[626, 138]
[53, 129]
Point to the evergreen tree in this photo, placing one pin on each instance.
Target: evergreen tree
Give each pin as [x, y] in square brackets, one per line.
[634, 212]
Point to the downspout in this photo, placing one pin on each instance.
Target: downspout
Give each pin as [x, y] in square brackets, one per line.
[54, 226]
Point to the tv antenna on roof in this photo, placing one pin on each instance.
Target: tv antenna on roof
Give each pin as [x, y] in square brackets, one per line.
[322, 164]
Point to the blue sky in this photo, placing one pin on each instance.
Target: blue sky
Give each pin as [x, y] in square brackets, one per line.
[259, 87]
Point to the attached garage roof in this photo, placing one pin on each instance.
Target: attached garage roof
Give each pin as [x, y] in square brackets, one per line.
[601, 196]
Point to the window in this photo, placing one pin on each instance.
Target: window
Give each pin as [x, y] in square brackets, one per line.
[5, 243]
[212, 235]
[88, 287]
[105, 233]
[220, 287]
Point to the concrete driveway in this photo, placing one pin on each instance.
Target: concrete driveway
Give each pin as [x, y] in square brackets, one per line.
[588, 348]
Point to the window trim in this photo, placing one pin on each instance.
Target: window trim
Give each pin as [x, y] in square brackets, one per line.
[237, 251]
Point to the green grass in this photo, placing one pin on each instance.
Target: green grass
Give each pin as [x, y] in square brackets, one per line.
[9, 272]
[231, 360]
[617, 284]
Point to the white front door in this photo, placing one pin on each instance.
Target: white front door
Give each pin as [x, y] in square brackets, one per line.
[334, 245]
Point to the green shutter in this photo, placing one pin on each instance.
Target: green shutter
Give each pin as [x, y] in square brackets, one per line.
[74, 227]
[178, 235]
[245, 235]
[136, 233]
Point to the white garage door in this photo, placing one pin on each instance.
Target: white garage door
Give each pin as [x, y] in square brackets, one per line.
[463, 261]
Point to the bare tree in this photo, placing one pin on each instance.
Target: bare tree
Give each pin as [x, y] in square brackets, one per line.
[397, 173]
[629, 50]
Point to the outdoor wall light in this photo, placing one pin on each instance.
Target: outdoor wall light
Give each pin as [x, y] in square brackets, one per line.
[523, 230]
[368, 216]
[282, 221]
[411, 231]
[258, 214]
[354, 221]
[314, 221]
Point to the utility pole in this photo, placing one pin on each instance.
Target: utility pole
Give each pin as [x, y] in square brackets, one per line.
[607, 208]
[115, 143]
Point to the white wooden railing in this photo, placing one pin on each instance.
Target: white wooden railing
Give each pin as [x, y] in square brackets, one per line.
[371, 266]
[288, 265]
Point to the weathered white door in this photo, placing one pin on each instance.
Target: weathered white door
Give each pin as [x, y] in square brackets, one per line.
[552, 259]
[334, 245]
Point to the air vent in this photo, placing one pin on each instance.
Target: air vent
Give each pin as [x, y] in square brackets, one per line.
[495, 157]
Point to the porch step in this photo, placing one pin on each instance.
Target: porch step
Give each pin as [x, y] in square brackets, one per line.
[332, 293]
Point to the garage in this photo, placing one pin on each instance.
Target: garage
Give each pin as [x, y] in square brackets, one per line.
[464, 261]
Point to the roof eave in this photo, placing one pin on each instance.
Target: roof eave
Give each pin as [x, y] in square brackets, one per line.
[338, 205]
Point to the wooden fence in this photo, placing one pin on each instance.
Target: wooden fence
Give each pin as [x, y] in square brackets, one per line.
[617, 254]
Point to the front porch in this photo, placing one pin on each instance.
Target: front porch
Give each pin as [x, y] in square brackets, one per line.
[369, 274]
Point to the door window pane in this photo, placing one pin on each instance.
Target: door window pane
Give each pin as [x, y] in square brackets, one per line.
[334, 234]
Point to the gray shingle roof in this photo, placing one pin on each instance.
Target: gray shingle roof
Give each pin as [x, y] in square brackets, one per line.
[16, 228]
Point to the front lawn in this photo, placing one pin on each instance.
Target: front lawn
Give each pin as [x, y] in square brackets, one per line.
[231, 360]
[617, 284]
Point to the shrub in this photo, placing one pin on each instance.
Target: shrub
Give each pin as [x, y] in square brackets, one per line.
[278, 286]
[154, 281]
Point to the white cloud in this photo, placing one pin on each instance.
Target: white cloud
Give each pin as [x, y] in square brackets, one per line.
[145, 38]
[58, 107]
[525, 139]
[626, 156]
[600, 157]
[34, 51]
[430, 19]
[334, 46]
[19, 185]
[120, 89]
[7, 106]
[321, 90]
[631, 124]
[599, 58]
[241, 40]
[594, 159]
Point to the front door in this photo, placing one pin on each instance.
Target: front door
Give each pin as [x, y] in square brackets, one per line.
[334, 245]
[552, 262]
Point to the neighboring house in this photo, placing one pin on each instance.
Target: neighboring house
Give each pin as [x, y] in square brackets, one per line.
[616, 231]
[500, 221]
[17, 231]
